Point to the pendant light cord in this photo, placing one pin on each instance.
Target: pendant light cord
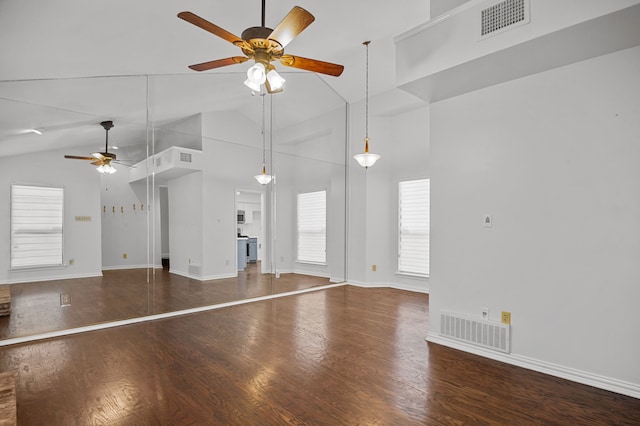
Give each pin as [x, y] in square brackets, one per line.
[366, 114]
[263, 132]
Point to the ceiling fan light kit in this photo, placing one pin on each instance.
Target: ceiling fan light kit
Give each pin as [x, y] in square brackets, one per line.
[264, 45]
[102, 160]
[366, 159]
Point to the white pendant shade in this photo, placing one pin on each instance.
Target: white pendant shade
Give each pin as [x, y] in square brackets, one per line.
[263, 179]
[276, 81]
[252, 85]
[257, 73]
[366, 159]
[106, 168]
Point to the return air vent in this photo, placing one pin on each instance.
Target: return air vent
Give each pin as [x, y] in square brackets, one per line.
[194, 270]
[504, 16]
[185, 157]
[488, 334]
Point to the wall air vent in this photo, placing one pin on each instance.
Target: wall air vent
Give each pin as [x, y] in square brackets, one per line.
[158, 161]
[185, 157]
[503, 16]
[488, 334]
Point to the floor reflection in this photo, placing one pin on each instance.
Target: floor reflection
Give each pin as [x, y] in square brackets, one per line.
[122, 294]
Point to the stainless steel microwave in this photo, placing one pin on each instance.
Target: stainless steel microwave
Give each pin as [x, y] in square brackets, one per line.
[240, 216]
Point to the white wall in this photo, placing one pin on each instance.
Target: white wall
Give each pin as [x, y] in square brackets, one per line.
[125, 229]
[402, 141]
[185, 224]
[233, 154]
[81, 185]
[554, 158]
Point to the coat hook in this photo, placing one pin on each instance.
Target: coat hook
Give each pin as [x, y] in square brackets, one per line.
[113, 209]
[121, 209]
[134, 207]
[104, 209]
[141, 206]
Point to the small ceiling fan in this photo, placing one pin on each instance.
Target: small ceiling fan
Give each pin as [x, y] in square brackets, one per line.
[104, 159]
[264, 45]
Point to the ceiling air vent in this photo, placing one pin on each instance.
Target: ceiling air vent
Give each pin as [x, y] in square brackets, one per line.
[504, 16]
[185, 157]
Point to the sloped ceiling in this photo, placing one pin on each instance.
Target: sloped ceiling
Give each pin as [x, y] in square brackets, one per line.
[66, 65]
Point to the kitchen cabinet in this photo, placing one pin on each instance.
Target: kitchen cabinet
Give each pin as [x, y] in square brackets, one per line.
[253, 249]
[242, 253]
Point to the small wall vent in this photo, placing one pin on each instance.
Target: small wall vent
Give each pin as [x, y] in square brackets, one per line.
[158, 161]
[503, 16]
[194, 270]
[488, 334]
[185, 157]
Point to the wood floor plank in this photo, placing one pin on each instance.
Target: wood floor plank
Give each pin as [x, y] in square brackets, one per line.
[132, 293]
[342, 356]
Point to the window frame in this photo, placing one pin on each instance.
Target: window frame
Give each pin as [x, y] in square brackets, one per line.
[404, 271]
[14, 261]
[298, 233]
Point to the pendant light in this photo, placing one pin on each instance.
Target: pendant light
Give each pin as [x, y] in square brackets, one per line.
[366, 159]
[263, 178]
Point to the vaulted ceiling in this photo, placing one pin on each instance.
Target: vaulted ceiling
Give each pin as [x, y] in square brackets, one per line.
[66, 65]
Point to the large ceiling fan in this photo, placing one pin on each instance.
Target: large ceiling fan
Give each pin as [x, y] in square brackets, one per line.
[264, 45]
[104, 159]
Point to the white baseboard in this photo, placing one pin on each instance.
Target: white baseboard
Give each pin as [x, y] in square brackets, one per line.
[205, 278]
[578, 376]
[121, 267]
[52, 278]
[312, 273]
[217, 277]
[396, 286]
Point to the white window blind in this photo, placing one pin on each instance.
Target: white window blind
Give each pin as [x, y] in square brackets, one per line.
[413, 250]
[36, 226]
[312, 227]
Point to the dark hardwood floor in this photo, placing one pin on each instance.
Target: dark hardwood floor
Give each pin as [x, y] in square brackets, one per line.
[124, 294]
[340, 356]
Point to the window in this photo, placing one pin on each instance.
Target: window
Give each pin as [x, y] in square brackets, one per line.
[312, 227]
[36, 226]
[413, 249]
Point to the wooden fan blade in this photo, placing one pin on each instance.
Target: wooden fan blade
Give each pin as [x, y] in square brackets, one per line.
[293, 24]
[75, 157]
[218, 63]
[98, 162]
[212, 28]
[312, 65]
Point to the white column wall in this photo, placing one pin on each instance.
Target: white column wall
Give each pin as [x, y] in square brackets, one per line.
[554, 158]
[403, 142]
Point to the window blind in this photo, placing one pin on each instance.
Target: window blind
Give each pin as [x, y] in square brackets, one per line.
[413, 250]
[36, 226]
[312, 227]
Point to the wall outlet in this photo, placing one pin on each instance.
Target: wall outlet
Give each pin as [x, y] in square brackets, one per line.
[484, 313]
[226, 262]
[506, 317]
[65, 299]
[374, 268]
[487, 221]
[124, 255]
